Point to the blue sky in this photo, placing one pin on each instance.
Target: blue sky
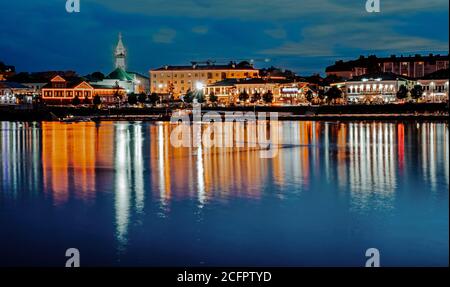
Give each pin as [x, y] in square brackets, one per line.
[302, 35]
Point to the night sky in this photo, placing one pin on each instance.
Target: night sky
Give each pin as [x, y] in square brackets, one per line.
[302, 35]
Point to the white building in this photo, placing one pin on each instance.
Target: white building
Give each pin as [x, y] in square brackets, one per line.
[374, 88]
[11, 92]
[435, 86]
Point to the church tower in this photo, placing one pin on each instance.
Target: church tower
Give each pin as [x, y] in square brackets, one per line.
[120, 54]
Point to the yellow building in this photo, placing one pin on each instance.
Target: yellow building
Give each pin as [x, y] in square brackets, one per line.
[177, 80]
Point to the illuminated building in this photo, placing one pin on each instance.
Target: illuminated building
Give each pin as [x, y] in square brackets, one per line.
[10, 92]
[413, 66]
[62, 91]
[177, 80]
[378, 88]
[435, 86]
[283, 90]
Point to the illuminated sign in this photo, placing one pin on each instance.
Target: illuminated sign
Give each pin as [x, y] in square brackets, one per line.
[289, 90]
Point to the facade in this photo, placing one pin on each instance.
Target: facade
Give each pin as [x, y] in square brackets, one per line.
[177, 80]
[12, 93]
[416, 66]
[374, 88]
[228, 90]
[62, 91]
[435, 86]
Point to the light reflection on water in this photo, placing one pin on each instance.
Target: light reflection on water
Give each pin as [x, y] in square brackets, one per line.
[367, 168]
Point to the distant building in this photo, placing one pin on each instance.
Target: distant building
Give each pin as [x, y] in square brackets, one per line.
[37, 80]
[435, 86]
[63, 91]
[416, 66]
[120, 54]
[131, 82]
[374, 88]
[12, 93]
[6, 71]
[177, 80]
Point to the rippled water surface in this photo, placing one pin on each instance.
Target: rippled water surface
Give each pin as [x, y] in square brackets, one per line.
[122, 195]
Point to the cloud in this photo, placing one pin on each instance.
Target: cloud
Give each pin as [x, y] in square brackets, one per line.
[255, 10]
[164, 36]
[373, 37]
[201, 30]
[277, 33]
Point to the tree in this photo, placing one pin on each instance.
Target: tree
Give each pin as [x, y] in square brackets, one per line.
[200, 97]
[76, 101]
[321, 95]
[256, 97]
[213, 98]
[268, 97]
[132, 99]
[416, 92]
[87, 101]
[97, 100]
[243, 96]
[189, 97]
[309, 96]
[333, 93]
[142, 98]
[153, 98]
[402, 92]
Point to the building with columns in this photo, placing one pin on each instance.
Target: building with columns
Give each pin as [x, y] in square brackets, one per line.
[374, 88]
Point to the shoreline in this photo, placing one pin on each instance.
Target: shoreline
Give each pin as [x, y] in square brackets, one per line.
[406, 112]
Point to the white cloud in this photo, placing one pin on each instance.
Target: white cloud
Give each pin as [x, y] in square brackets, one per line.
[327, 39]
[201, 30]
[164, 36]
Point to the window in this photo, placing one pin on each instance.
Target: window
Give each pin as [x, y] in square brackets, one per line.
[210, 75]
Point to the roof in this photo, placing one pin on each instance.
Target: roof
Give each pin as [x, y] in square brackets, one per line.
[438, 75]
[106, 87]
[119, 74]
[71, 83]
[231, 66]
[382, 76]
[137, 74]
[12, 85]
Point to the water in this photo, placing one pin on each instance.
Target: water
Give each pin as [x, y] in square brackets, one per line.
[122, 195]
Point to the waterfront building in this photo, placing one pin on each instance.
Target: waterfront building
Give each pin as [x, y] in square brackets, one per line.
[283, 90]
[374, 88]
[63, 91]
[177, 80]
[416, 66]
[12, 93]
[435, 86]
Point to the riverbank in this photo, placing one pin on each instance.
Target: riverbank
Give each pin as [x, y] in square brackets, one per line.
[418, 112]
